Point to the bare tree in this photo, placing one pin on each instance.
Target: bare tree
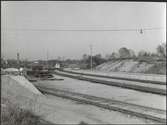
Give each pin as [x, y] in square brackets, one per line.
[143, 53]
[85, 57]
[132, 53]
[161, 50]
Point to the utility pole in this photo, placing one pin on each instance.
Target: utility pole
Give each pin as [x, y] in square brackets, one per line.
[47, 56]
[91, 48]
[18, 60]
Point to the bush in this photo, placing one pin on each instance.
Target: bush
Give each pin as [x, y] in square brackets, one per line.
[161, 50]
[13, 115]
[83, 123]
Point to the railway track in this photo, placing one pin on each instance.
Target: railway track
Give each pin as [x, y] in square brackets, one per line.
[115, 77]
[100, 80]
[149, 113]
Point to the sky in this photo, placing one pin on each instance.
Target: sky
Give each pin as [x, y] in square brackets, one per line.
[52, 29]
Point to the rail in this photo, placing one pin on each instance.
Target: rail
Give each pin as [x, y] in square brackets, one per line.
[115, 77]
[157, 115]
[117, 84]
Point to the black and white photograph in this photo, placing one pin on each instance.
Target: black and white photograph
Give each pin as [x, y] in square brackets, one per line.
[83, 62]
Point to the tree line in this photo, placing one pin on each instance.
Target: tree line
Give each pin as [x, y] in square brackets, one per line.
[122, 53]
[125, 53]
[129, 53]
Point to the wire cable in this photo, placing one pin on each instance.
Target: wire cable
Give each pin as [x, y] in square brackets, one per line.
[58, 29]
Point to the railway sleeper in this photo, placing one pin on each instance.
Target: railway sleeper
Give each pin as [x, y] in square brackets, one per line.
[114, 77]
[105, 106]
[122, 85]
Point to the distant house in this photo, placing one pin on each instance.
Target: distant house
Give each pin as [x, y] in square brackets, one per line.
[57, 66]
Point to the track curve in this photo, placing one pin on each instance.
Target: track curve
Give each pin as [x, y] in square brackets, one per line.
[154, 114]
[111, 83]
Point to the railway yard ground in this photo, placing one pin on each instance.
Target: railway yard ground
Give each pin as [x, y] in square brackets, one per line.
[83, 63]
[139, 76]
[72, 100]
[111, 92]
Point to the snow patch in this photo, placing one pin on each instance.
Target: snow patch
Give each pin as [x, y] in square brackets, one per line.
[11, 70]
[25, 83]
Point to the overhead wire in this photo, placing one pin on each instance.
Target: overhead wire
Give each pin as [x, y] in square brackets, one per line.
[58, 29]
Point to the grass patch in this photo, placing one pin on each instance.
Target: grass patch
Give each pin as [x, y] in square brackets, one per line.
[13, 115]
[158, 68]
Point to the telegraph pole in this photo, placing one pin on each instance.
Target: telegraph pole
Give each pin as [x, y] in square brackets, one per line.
[91, 47]
[47, 56]
[18, 60]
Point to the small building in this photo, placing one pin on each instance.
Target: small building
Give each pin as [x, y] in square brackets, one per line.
[57, 66]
